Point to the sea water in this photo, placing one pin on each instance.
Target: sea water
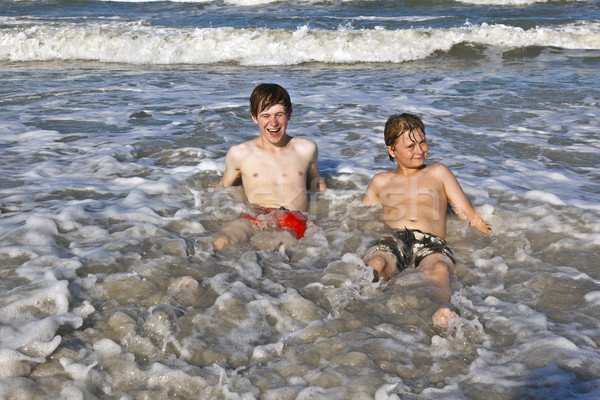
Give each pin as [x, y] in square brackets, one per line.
[115, 118]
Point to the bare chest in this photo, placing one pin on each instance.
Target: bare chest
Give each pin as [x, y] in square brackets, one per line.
[413, 193]
[280, 170]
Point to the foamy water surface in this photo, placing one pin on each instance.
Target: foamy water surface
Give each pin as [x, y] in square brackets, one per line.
[113, 133]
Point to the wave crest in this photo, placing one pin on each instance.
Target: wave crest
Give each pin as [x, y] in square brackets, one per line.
[139, 43]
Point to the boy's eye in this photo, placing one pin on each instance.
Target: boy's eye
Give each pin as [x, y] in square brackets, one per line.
[278, 115]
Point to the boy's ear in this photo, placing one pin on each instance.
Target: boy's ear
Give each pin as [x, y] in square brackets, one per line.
[391, 151]
[254, 118]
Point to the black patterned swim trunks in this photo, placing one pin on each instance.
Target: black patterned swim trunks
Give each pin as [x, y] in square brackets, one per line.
[410, 246]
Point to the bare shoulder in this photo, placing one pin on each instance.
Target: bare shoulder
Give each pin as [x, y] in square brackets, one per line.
[381, 179]
[438, 168]
[303, 144]
[377, 185]
[237, 148]
[383, 176]
[439, 171]
[445, 177]
[240, 151]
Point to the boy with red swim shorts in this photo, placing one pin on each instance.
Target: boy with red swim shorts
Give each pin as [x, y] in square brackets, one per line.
[414, 198]
[275, 169]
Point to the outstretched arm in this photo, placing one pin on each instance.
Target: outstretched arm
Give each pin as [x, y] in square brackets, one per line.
[459, 201]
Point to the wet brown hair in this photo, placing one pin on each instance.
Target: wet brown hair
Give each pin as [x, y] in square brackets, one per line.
[267, 95]
[400, 124]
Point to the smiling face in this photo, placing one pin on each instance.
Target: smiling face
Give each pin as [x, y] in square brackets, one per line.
[272, 124]
[409, 151]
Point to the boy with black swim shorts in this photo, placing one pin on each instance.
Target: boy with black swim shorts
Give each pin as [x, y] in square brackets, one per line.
[275, 169]
[414, 199]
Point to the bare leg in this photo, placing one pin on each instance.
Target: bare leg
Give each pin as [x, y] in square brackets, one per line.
[272, 240]
[383, 264]
[437, 268]
[237, 231]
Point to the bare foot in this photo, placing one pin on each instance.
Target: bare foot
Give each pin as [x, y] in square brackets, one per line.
[444, 318]
[184, 289]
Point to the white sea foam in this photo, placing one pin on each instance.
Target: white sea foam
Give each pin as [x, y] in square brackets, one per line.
[510, 2]
[503, 2]
[243, 3]
[37, 314]
[153, 1]
[108, 195]
[139, 43]
[544, 196]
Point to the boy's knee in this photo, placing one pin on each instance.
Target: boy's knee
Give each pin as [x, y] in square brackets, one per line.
[220, 241]
[436, 269]
[437, 263]
[384, 265]
[242, 227]
[236, 231]
[441, 266]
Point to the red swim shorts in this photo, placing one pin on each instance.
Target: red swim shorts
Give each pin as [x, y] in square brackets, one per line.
[278, 219]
